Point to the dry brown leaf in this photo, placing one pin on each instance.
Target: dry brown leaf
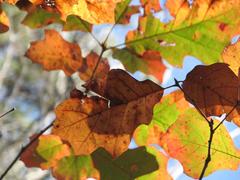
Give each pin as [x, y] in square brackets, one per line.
[54, 53]
[214, 90]
[89, 123]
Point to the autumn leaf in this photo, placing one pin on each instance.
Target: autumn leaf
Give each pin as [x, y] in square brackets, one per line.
[4, 22]
[150, 62]
[75, 168]
[162, 160]
[214, 90]
[39, 18]
[54, 53]
[124, 11]
[74, 23]
[202, 30]
[187, 141]
[89, 123]
[45, 152]
[92, 11]
[150, 6]
[231, 56]
[130, 165]
[165, 113]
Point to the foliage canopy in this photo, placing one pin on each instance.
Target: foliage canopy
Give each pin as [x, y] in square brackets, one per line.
[93, 128]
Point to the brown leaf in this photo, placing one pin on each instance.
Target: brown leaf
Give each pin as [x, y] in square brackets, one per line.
[89, 123]
[213, 89]
[54, 53]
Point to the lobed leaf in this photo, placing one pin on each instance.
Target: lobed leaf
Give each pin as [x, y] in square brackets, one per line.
[54, 53]
[89, 123]
[201, 30]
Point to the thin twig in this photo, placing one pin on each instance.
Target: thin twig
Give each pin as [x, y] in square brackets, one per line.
[11, 110]
[208, 159]
[96, 66]
[24, 149]
[225, 117]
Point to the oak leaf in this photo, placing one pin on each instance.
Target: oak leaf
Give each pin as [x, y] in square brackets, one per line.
[214, 90]
[89, 123]
[54, 53]
[201, 30]
[187, 141]
[130, 165]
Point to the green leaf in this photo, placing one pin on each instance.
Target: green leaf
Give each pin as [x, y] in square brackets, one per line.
[75, 168]
[131, 164]
[150, 62]
[123, 12]
[45, 152]
[162, 172]
[197, 32]
[74, 23]
[40, 18]
[187, 141]
[165, 114]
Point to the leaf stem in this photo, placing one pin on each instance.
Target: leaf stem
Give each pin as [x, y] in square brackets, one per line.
[24, 149]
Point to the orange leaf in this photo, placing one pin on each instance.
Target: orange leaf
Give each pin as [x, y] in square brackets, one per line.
[150, 5]
[55, 53]
[89, 123]
[214, 90]
[231, 56]
[45, 152]
[93, 11]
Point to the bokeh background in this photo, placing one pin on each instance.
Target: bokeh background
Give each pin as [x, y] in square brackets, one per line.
[34, 92]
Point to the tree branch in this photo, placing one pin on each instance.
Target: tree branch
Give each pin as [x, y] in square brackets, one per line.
[11, 110]
[208, 159]
[24, 149]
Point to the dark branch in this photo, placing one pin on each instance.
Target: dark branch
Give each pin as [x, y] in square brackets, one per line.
[24, 149]
[208, 159]
[11, 110]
